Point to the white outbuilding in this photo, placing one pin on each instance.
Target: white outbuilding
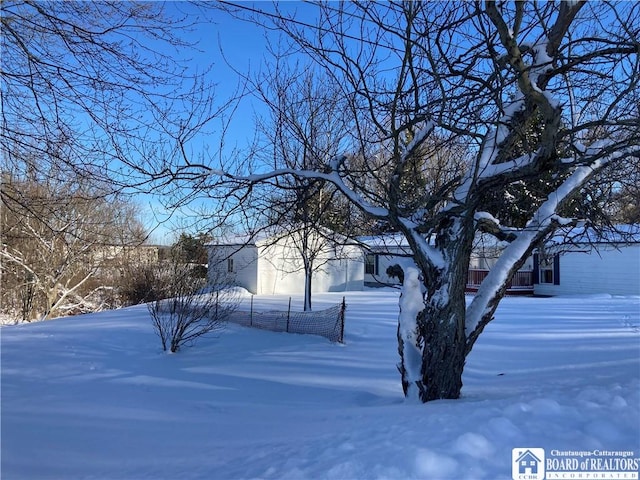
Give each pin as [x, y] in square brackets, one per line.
[272, 265]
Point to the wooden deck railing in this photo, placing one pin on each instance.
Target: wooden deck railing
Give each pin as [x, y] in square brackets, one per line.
[522, 281]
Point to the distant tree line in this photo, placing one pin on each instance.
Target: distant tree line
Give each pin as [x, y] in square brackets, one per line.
[69, 248]
[87, 102]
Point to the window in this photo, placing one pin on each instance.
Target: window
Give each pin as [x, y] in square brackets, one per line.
[371, 264]
[230, 265]
[549, 268]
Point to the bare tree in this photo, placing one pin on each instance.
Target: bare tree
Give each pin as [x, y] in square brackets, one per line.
[305, 129]
[521, 85]
[187, 308]
[60, 241]
[92, 95]
[98, 89]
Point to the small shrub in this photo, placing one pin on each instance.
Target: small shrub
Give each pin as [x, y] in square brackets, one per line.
[184, 311]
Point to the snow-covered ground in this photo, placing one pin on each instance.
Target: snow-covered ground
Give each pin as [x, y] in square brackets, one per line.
[94, 397]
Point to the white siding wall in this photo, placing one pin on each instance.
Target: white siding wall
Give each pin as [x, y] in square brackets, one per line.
[281, 271]
[245, 264]
[616, 272]
[278, 269]
[343, 274]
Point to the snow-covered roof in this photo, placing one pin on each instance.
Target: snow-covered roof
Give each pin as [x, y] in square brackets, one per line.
[264, 237]
[392, 241]
[618, 234]
[397, 241]
[236, 240]
[250, 239]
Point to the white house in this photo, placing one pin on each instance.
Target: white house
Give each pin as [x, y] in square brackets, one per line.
[385, 251]
[273, 265]
[590, 263]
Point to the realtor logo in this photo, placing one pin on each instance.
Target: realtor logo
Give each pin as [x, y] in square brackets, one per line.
[527, 464]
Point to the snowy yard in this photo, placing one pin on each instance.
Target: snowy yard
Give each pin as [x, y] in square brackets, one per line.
[94, 396]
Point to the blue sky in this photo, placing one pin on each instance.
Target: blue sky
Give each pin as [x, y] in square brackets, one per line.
[228, 44]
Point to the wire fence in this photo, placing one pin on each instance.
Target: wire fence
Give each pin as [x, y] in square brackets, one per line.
[328, 323]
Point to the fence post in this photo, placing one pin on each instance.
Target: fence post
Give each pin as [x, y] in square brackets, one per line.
[342, 309]
[251, 313]
[288, 314]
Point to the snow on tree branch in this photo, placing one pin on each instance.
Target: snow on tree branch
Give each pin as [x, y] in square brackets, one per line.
[543, 222]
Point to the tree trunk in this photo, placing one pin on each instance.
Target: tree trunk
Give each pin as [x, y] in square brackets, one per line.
[308, 272]
[431, 330]
[432, 349]
[443, 355]
[51, 295]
